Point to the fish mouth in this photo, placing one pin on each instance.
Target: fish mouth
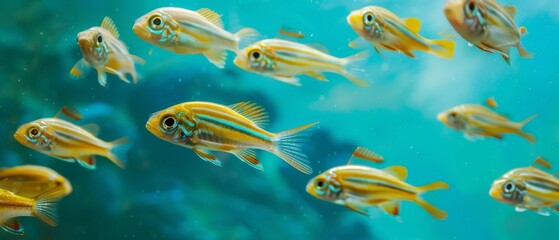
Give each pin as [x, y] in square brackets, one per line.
[453, 13]
[21, 139]
[240, 63]
[150, 128]
[441, 117]
[140, 30]
[354, 20]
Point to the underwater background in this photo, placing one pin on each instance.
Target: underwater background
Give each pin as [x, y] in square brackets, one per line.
[167, 192]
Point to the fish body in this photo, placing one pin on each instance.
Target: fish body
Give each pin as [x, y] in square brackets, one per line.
[103, 51]
[478, 121]
[236, 129]
[30, 180]
[385, 30]
[360, 188]
[528, 188]
[487, 25]
[190, 32]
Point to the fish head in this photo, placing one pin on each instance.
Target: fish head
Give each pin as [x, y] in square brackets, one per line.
[468, 18]
[35, 135]
[62, 182]
[174, 125]
[93, 45]
[366, 21]
[256, 58]
[453, 118]
[508, 190]
[156, 27]
[325, 186]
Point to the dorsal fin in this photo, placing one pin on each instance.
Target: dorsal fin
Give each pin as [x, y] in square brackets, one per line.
[70, 112]
[397, 171]
[365, 154]
[413, 24]
[252, 111]
[318, 47]
[211, 16]
[109, 25]
[541, 162]
[92, 128]
[511, 11]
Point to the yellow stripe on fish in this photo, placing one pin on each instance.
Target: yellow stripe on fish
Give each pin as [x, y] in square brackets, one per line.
[284, 60]
[360, 187]
[236, 129]
[191, 32]
[385, 30]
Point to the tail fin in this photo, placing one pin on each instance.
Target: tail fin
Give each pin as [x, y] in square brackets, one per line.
[46, 206]
[434, 211]
[442, 48]
[288, 147]
[354, 68]
[527, 136]
[245, 37]
[117, 153]
[523, 52]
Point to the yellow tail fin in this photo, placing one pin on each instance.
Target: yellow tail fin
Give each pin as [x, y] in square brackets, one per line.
[434, 211]
[442, 48]
[527, 136]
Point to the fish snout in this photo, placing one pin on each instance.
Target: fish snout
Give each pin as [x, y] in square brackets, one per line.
[140, 30]
[453, 13]
[441, 117]
[19, 138]
[354, 19]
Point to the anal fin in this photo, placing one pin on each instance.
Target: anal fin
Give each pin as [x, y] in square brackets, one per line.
[206, 156]
[249, 156]
[318, 76]
[217, 57]
[87, 162]
[13, 226]
[391, 207]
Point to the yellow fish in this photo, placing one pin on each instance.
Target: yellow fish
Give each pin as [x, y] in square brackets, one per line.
[191, 32]
[102, 50]
[360, 187]
[42, 207]
[68, 142]
[385, 30]
[283, 60]
[528, 188]
[487, 25]
[30, 180]
[478, 121]
[236, 129]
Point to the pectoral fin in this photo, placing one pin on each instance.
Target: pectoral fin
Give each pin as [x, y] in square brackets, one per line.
[249, 156]
[118, 73]
[288, 79]
[80, 69]
[360, 209]
[13, 226]
[206, 156]
[102, 77]
[359, 43]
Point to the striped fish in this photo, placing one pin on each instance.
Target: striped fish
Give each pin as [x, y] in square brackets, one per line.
[31, 180]
[528, 188]
[69, 142]
[102, 50]
[283, 60]
[236, 129]
[487, 25]
[191, 32]
[385, 30]
[360, 188]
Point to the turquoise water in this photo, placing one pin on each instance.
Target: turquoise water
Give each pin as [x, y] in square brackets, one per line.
[167, 192]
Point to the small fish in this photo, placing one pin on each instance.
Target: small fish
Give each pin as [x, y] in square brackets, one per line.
[283, 60]
[191, 32]
[43, 206]
[360, 188]
[236, 129]
[385, 30]
[291, 32]
[30, 180]
[528, 188]
[487, 25]
[102, 50]
[478, 121]
[69, 142]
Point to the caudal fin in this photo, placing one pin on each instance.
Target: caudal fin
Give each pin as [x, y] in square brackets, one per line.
[46, 206]
[118, 151]
[442, 48]
[434, 211]
[527, 136]
[288, 147]
[245, 37]
[354, 68]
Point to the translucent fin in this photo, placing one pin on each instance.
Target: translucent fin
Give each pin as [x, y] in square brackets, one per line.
[288, 79]
[541, 162]
[118, 151]
[318, 76]
[527, 136]
[288, 147]
[442, 48]
[216, 57]
[92, 128]
[45, 206]
[354, 68]
[206, 156]
[254, 112]
[80, 69]
[413, 24]
[69, 111]
[519, 209]
[365, 154]
[109, 25]
[359, 43]
[87, 162]
[397, 171]
[118, 73]
[137, 59]
[319, 47]
[523, 52]
[102, 77]
[391, 207]
[211, 16]
[511, 11]
[13, 226]
[249, 156]
[245, 37]
[360, 209]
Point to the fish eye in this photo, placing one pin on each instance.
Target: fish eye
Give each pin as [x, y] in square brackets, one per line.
[452, 115]
[255, 55]
[508, 187]
[471, 6]
[99, 38]
[169, 123]
[368, 18]
[33, 132]
[156, 22]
